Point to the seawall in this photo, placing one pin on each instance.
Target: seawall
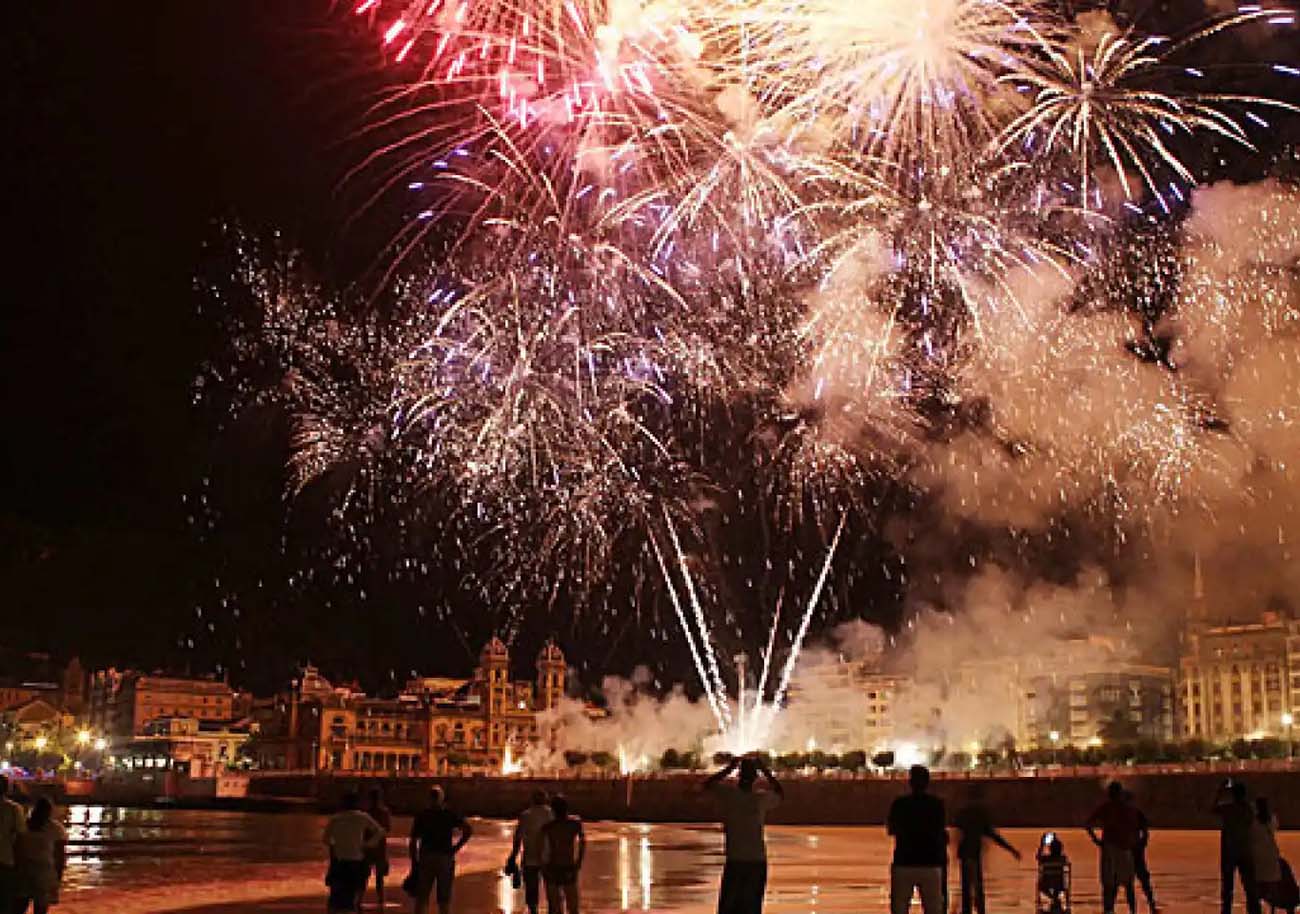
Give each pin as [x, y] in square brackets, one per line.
[1181, 800]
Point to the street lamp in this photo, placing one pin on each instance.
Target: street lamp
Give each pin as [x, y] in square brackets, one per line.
[83, 737]
[101, 744]
[40, 743]
[1055, 737]
[1288, 719]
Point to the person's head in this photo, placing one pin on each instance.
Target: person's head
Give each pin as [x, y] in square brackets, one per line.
[1239, 791]
[748, 773]
[351, 800]
[376, 798]
[41, 814]
[919, 778]
[539, 797]
[1115, 790]
[1262, 810]
[1055, 848]
[437, 798]
[560, 806]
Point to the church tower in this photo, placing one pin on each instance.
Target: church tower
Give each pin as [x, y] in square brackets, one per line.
[551, 670]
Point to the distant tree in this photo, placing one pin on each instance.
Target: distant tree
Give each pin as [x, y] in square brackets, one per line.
[722, 758]
[855, 760]
[691, 761]
[959, 761]
[1241, 749]
[1196, 750]
[670, 760]
[1268, 747]
[575, 758]
[989, 757]
[602, 759]
[883, 760]
[818, 759]
[1147, 751]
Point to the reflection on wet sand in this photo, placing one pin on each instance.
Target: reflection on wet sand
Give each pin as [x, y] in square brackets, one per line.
[146, 862]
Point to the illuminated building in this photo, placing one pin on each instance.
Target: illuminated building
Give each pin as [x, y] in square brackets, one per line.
[1236, 681]
[200, 749]
[1119, 702]
[122, 704]
[435, 724]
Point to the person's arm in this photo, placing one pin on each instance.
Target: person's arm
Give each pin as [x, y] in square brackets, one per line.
[546, 845]
[375, 833]
[1220, 799]
[518, 844]
[60, 855]
[582, 845]
[413, 843]
[1091, 826]
[891, 821]
[722, 773]
[465, 834]
[996, 837]
[771, 779]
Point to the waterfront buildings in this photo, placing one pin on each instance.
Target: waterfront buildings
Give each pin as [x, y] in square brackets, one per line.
[1240, 681]
[436, 724]
[124, 703]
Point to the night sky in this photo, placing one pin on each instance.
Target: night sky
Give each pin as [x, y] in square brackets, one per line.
[133, 132]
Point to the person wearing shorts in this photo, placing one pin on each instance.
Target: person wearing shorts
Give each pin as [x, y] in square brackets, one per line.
[1115, 828]
[564, 844]
[437, 835]
[528, 848]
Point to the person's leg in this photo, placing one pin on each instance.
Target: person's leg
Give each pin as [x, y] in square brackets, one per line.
[532, 888]
[967, 885]
[571, 896]
[1248, 885]
[1130, 895]
[900, 889]
[752, 885]
[446, 878]
[930, 881]
[1227, 875]
[727, 890]
[979, 886]
[555, 899]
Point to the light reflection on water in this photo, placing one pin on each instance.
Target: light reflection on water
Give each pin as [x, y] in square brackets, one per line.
[135, 861]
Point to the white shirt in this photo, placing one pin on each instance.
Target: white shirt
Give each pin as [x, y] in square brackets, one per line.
[36, 848]
[350, 832]
[531, 822]
[12, 824]
[744, 813]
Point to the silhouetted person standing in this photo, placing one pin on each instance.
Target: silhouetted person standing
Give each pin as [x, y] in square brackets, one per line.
[918, 825]
[437, 836]
[41, 855]
[744, 817]
[1117, 821]
[528, 846]
[974, 824]
[564, 846]
[349, 835]
[377, 854]
[1236, 820]
[12, 824]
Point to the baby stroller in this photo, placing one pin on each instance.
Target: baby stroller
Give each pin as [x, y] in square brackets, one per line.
[1052, 895]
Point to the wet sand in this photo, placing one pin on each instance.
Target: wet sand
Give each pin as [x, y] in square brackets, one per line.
[245, 863]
